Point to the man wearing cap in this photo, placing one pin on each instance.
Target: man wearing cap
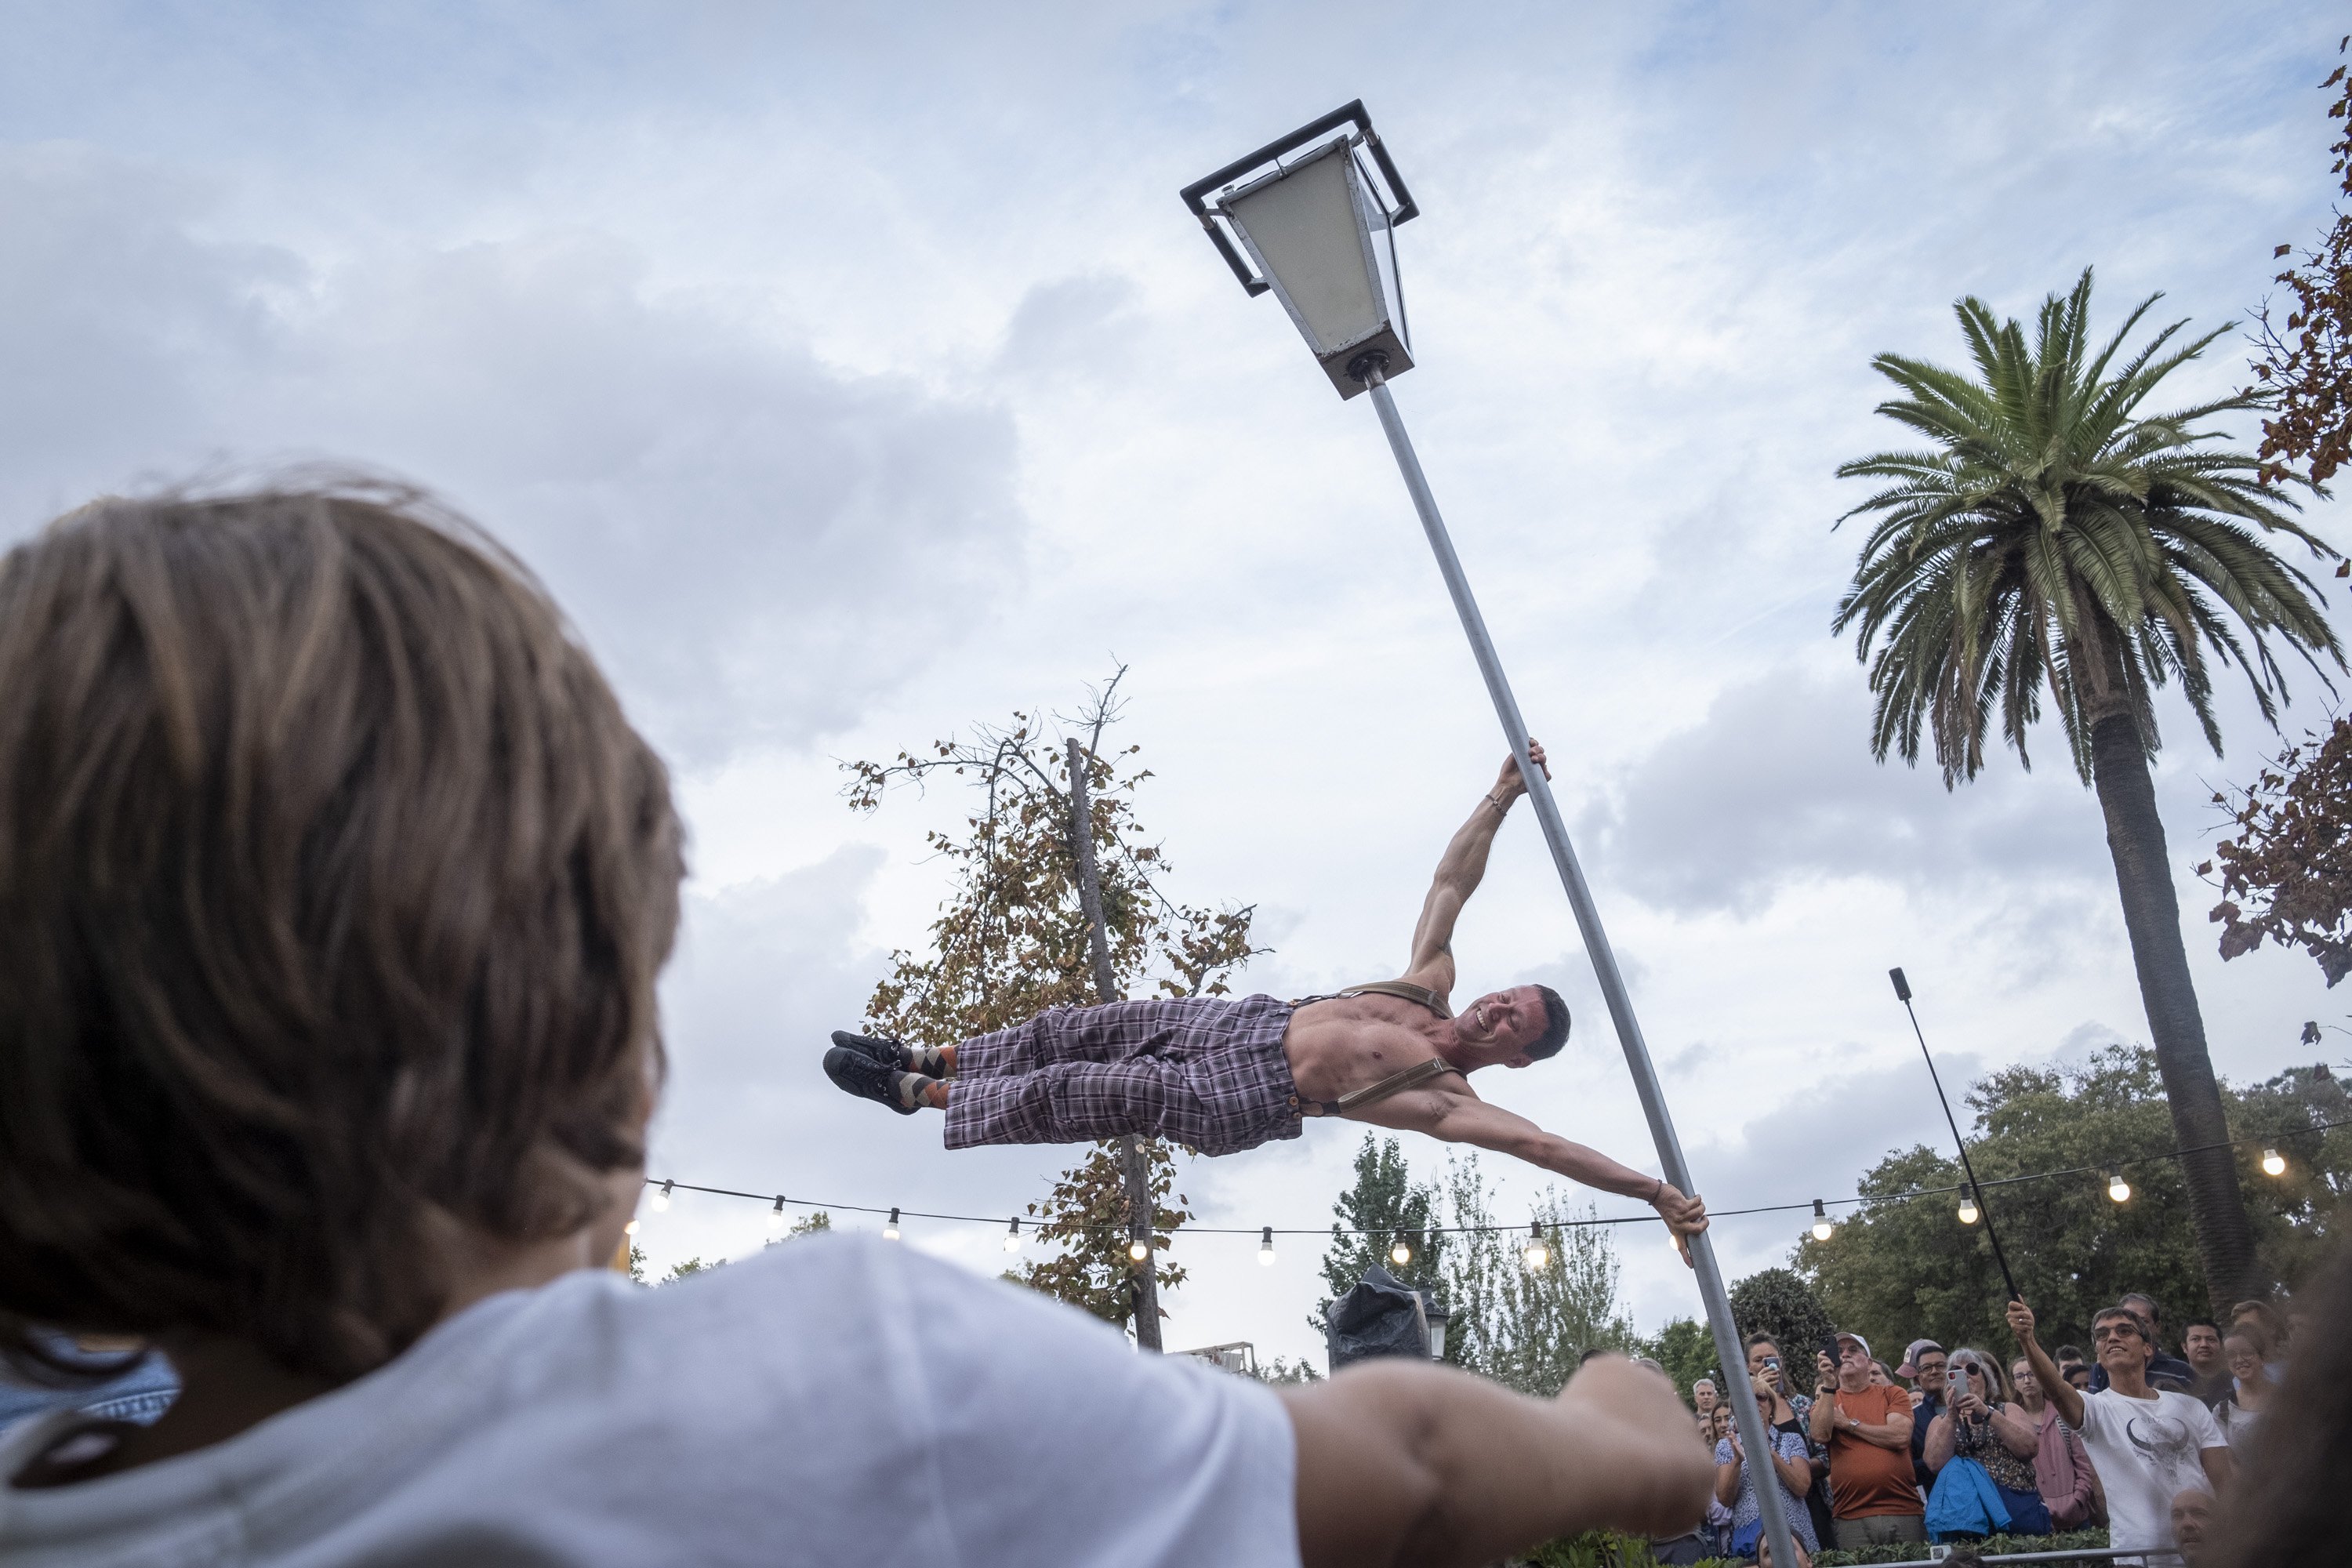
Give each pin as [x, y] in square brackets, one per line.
[1924, 1366]
[1867, 1430]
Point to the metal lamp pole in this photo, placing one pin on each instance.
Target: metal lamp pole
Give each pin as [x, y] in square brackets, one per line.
[1754, 1436]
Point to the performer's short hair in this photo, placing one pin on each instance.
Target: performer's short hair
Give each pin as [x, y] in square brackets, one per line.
[1555, 1033]
[333, 886]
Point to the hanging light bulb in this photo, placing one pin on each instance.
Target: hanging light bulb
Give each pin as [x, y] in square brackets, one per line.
[630, 1229]
[1535, 1254]
[1139, 1248]
[1265, 1246]
[1013, 1235]
[1821, 1222]
[1970, 1213]
[2117, 1188]
[661, 1198]
[1402, 1253]
[2273, 1163]
[776, 1215]
[891, 1226]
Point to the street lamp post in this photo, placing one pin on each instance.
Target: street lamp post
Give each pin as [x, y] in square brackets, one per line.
[1312, 218]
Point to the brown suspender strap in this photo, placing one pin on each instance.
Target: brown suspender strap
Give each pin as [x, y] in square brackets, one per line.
[1420, 996]
[1396, 1083]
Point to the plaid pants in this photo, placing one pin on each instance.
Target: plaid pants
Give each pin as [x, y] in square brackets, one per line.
[1207, 1072]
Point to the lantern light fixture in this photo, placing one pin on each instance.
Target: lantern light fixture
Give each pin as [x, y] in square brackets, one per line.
[1312, 217]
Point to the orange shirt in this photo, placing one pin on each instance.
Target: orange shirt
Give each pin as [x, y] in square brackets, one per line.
[1866, 1480]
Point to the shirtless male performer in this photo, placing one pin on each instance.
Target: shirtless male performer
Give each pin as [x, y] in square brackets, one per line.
[1221, 1074]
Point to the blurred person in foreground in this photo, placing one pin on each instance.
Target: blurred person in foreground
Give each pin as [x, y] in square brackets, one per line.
[1984, 1427]
[2062, 1472]
[1866, 1431]
[335, 888]
[2288, 1505]
[1793, 1475]
[2149, 1444]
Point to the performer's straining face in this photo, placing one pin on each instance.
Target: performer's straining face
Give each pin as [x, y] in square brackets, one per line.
[1513, 1019]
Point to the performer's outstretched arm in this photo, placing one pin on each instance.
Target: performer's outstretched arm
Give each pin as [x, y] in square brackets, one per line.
[1399, 1463]
[1467, 1118]
[1459, 871]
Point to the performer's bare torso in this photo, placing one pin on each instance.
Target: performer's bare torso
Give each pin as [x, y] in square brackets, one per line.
[1347, 1043]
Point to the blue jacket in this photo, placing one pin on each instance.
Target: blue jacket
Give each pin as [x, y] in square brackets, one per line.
[1965, 1503]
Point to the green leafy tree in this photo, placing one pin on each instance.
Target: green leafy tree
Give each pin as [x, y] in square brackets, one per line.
[1525, 1322]
[1902, 1266]
[1011, 940]
[1778, 1301]
[1686, 1348]
[1384, 1206]
[690, 1267]
[815, 1222]
[2054, 538]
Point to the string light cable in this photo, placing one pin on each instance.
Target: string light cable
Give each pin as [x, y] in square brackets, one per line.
[2111, 1172]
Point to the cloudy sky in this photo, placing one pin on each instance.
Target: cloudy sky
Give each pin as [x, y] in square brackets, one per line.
[853, 374]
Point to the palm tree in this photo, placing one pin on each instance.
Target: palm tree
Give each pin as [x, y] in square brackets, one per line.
[2052, 538]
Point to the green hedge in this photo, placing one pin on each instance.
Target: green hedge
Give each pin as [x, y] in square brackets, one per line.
[1602, 1549]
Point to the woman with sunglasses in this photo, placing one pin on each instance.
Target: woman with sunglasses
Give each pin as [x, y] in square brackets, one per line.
[1981, 1422]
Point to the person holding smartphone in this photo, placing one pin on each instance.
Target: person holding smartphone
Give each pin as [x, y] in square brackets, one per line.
[1980, 1422]
[1791, 1413]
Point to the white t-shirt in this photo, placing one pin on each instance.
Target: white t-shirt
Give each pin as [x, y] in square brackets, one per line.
[837, 1400]
[2145, 1451]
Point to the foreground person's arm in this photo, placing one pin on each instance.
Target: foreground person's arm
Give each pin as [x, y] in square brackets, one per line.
[1404, 1463]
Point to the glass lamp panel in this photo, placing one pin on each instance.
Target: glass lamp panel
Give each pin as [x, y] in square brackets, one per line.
[1308, 230]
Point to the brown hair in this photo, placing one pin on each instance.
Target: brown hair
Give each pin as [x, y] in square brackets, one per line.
[333, 886]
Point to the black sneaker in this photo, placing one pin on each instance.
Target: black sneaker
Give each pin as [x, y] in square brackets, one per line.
[880, 1048]
[855, 1072]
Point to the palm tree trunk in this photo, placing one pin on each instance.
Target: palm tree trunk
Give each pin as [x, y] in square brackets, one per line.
[2225, 1241]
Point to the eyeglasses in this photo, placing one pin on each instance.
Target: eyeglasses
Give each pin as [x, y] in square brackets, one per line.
[2115, 1331]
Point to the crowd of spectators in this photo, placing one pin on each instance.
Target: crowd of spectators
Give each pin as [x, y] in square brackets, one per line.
[1958, 1443]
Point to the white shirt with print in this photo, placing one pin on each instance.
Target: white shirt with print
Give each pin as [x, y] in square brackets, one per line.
[836, 1401]
[2147, 1453]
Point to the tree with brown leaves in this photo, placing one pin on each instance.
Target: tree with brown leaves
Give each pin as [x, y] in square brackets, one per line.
[1013, 940]
[2287, 873]
[2307, 359]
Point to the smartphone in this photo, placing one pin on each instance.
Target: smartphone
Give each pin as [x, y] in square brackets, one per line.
[1773, 1362]
[1956, 1383]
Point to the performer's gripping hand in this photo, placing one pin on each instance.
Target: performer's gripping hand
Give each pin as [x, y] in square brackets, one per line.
[2020, 1322]
[1684, 1216]
[1509, 784]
